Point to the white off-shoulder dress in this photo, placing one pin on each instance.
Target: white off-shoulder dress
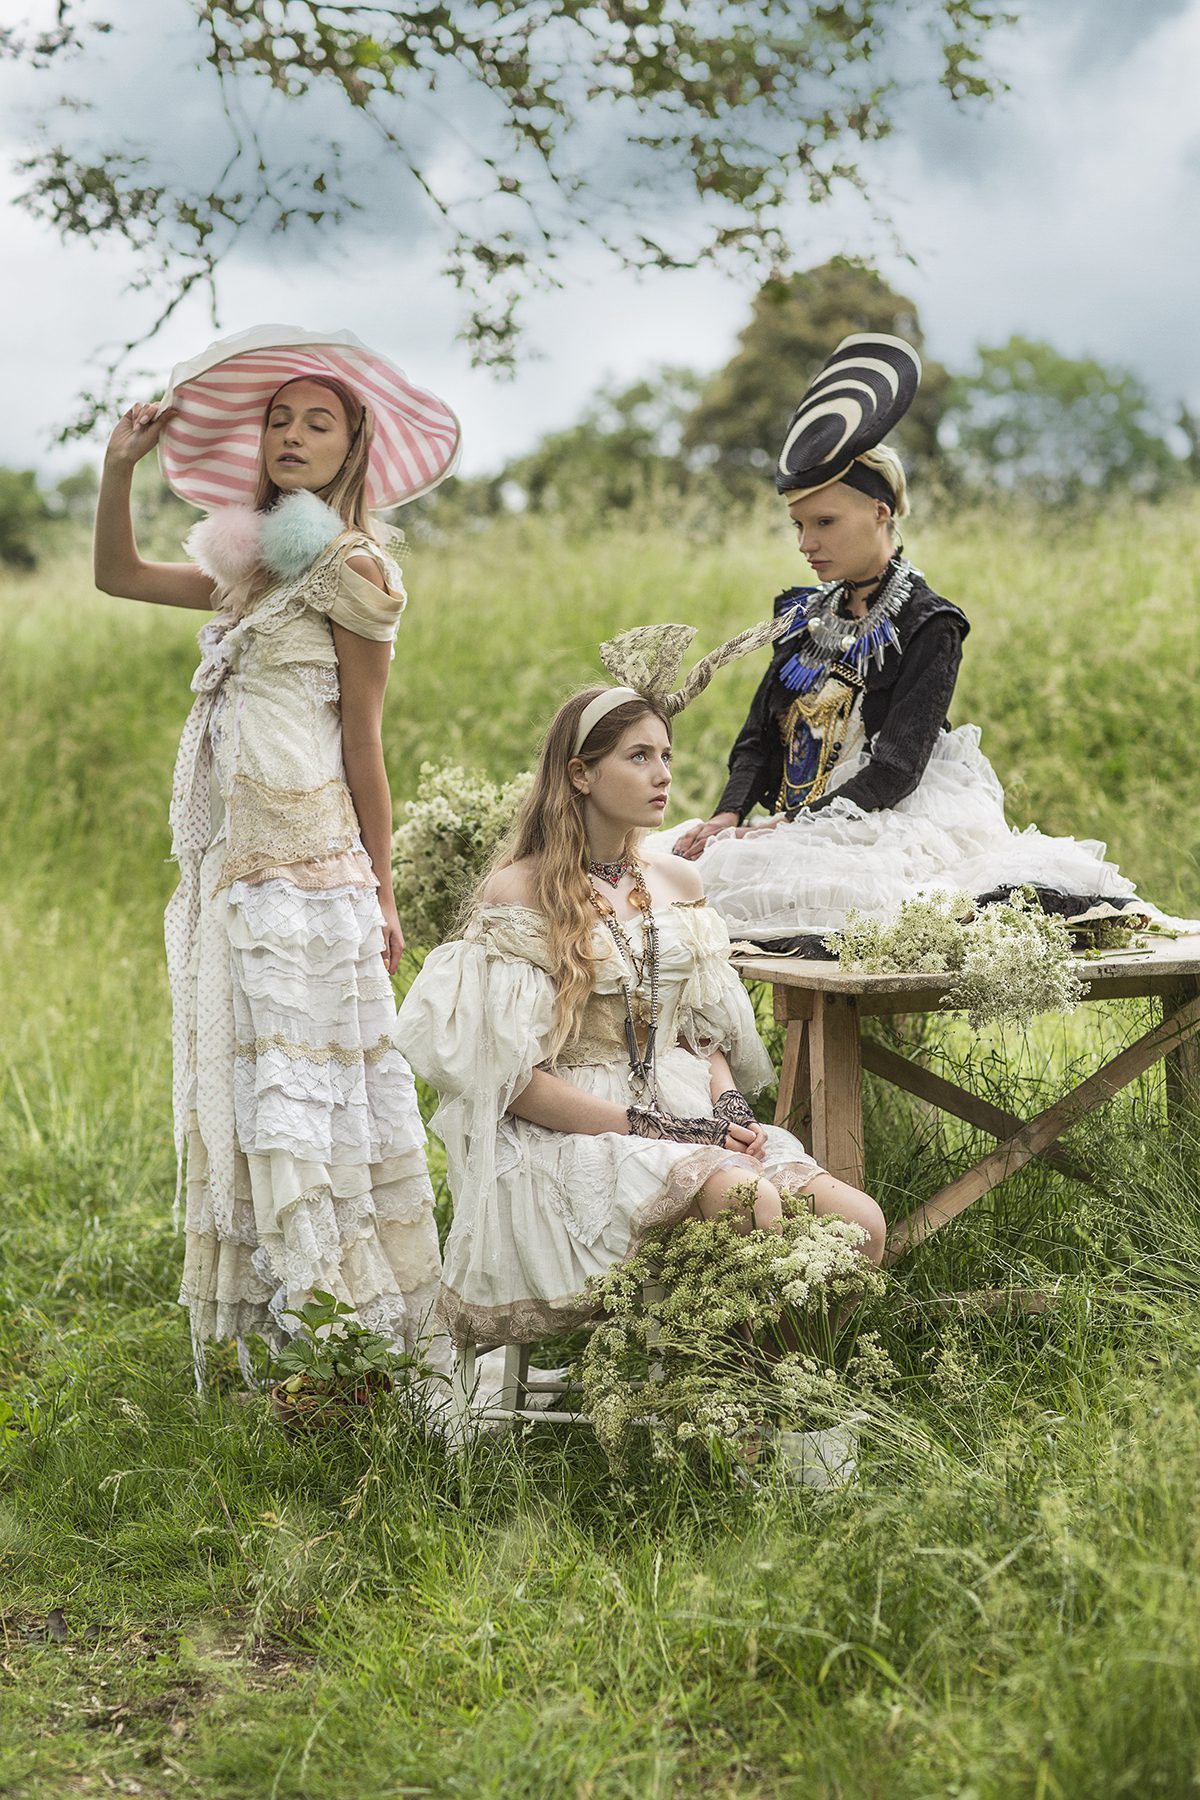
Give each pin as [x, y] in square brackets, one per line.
[536, 1212]
[294, 1108]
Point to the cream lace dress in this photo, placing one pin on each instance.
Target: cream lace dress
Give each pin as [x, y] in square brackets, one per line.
[298, 1115]
[536, 1212]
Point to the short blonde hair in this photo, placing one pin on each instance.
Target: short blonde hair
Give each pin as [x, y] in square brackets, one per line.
[884, 461]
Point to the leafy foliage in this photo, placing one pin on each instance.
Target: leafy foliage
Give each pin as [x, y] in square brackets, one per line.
[668, 133]
[743, 411]
[23, 512]
[1029, 418]
[623, 450]
[442, 845]
[331, 1352]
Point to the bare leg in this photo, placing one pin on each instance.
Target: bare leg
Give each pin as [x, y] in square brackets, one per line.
[845, 1202]
[725, 1191]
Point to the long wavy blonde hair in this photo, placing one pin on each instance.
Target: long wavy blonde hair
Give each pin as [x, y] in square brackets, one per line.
[548, 832]
[346, 493]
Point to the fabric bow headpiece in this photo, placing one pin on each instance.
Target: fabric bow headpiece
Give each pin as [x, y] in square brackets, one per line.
[648, 660]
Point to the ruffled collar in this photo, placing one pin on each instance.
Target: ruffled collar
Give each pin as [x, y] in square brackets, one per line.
[687, 928]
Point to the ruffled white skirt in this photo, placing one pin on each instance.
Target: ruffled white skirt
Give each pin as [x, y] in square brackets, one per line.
[569, 1206]
[306, 1153]
[804, 877]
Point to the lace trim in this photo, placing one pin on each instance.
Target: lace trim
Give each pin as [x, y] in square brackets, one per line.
[348, 1056]
[285, 825]
[316, 587]
[321, 680]
[342, 873]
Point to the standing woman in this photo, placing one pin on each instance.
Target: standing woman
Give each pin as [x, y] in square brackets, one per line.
[591, 1044]
[298, 1115]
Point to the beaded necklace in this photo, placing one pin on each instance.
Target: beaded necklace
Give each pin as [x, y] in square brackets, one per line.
[643, 1075]
[611, 871]
[832, 638]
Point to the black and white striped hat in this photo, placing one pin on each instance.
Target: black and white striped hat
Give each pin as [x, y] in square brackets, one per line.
[860, 394]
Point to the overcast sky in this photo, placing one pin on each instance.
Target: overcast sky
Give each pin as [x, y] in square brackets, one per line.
[1069, 210]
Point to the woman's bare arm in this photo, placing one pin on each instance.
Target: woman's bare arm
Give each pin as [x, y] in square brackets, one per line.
[560, 1106]
[119, 569]
[363, 666]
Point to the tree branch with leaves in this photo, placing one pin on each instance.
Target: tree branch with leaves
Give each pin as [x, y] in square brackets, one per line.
[673, 134]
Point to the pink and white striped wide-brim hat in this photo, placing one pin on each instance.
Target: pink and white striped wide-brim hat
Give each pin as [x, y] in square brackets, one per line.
[209, 453]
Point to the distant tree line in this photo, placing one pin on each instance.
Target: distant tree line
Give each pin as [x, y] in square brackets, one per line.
[1025, 421]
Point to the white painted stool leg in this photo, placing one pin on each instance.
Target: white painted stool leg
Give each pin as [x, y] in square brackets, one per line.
[512, 1395]
[463, 1383]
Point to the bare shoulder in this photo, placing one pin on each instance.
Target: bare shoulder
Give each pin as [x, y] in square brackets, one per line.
[367, 567]
[510, 886]
[673, 877]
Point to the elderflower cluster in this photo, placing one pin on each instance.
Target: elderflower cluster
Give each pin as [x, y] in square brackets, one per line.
[1008, 961]
[925, 938]
[1017, 964]
[444, 841]
[697, 1334]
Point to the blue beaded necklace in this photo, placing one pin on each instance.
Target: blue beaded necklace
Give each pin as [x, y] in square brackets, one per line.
[832, 638]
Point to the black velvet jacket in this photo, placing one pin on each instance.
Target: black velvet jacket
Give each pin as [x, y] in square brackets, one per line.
[903, 711]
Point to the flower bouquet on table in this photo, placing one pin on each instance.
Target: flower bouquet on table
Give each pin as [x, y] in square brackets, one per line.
[733, 1345]
[333, 1370]
[1008, 961]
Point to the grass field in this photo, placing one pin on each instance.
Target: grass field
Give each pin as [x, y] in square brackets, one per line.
[1007, 1605]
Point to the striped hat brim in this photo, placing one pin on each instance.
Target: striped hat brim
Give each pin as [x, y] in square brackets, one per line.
[858, 395]
[209, 453]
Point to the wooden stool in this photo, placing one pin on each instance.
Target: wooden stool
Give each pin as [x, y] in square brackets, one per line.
[513, 1402]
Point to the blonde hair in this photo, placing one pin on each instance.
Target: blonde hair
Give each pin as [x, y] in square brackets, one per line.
[346, 493]
[884, 461]
[548, 831]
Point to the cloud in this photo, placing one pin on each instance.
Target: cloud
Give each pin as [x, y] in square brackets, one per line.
[1065, 211]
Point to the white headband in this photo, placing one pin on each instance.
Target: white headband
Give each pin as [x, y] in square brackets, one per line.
[595, 710]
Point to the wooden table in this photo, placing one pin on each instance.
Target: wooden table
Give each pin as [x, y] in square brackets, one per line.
[825, 1053]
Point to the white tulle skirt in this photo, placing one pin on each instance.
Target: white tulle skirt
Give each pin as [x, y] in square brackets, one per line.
[803, 877]
[305, 1149]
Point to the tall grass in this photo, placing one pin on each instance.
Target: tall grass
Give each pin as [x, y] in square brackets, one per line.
[1005, 1606]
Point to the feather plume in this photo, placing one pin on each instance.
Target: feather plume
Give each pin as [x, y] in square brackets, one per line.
[225, 545]
[295, 532]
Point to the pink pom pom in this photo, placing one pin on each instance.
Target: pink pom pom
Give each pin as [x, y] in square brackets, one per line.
[226, 545]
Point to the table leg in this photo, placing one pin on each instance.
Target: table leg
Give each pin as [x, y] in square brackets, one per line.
[1182, 1066]
[835, 1065]
[793, 1107]
[793, 1102]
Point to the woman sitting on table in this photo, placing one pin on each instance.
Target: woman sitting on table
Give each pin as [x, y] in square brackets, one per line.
[847, 741]
[589, 1041]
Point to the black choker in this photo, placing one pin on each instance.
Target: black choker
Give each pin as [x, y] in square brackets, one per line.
[872, 580]
[611, 871]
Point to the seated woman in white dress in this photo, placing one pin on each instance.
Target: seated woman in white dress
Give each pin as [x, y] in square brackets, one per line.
[847, 744]
[591, 1045]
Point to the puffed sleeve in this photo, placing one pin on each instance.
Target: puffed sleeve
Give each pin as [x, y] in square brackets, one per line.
[360, 606]
[475, 1024]
[714, 1008]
